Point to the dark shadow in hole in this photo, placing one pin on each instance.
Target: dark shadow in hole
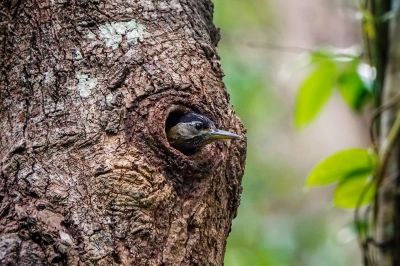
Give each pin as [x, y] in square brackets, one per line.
[172, 119]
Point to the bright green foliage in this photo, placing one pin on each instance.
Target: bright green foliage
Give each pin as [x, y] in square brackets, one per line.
[341, 165]
[315, 92]
[351, 169]
[354, 90]
[354, 191]
[330, 72]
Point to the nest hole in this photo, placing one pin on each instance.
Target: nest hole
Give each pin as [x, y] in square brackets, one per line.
[172, 119]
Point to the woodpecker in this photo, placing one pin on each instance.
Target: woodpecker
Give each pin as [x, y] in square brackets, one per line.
[191, 131]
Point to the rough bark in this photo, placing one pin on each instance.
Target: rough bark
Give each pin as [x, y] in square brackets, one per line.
[87, 175]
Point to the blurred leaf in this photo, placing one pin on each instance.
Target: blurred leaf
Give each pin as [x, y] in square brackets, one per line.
[333, 56]
[314, 92]
[341, 165]
[332, 70]
[348, 192]
[351, 86]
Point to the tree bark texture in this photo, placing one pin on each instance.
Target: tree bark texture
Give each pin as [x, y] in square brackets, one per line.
[387, 212]
[87, 176]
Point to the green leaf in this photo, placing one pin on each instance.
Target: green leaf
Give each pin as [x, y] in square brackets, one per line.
[314, 92]
[355, 191]
[341, 165]
[352, 88]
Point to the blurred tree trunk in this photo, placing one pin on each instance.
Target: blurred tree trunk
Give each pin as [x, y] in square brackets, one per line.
[87, 175]
[387, 209]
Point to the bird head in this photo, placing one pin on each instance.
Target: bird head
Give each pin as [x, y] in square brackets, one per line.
[191, 131]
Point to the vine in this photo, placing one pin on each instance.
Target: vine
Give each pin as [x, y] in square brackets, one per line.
[359, 175]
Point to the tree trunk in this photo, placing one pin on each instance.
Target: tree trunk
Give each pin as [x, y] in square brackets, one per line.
[87, 174]
[385, 251]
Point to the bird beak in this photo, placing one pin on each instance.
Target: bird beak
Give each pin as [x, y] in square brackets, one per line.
[215, 134]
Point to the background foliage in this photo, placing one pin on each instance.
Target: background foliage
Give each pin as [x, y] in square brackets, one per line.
[266, 61]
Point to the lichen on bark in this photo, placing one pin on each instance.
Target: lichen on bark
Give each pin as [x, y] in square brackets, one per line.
[87, 175]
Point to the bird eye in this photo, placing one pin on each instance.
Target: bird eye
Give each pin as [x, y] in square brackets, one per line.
[198, 125]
